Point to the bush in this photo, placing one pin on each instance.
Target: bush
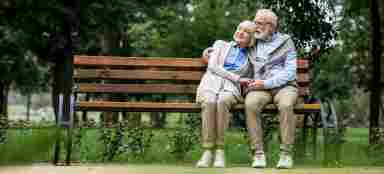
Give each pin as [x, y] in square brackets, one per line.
[119, 140]
[183, 139]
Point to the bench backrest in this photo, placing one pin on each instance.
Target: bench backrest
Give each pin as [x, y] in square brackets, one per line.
[150, 75]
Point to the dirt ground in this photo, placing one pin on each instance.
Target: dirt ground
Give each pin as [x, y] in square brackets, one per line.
[167, 169]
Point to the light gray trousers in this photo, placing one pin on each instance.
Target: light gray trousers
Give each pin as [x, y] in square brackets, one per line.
[285, 100]
[215, 115]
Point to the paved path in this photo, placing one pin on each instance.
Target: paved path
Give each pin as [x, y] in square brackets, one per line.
[167, 169]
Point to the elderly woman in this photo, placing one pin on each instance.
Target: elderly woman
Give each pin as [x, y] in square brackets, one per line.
[219, 90]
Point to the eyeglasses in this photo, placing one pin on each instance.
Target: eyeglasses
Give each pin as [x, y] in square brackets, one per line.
[258, 23]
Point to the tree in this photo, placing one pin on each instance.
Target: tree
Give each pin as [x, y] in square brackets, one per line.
[306, 21]
[376, 54]
[362, 40]
[11, 56]
[37, 76]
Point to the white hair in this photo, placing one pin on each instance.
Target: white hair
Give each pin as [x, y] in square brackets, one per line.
[251, 26]
[269, 14]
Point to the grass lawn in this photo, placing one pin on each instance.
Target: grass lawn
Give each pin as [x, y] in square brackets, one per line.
[31, 146]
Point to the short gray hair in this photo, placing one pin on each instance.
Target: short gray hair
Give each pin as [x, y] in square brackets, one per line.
[270, 14]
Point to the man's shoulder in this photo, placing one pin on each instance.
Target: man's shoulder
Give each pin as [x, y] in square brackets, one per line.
[281, 36]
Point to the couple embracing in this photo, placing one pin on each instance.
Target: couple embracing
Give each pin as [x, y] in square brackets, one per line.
[256, 68]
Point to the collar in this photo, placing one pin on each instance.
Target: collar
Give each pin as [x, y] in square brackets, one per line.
[276, 41]
[270, 39]
[236, 45]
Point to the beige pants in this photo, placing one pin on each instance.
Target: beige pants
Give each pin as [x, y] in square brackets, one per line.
[215, 115]
[285, 99]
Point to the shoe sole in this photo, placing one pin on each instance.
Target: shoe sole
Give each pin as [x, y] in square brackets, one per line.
[202, 166]
[281, 167]
[259, 167]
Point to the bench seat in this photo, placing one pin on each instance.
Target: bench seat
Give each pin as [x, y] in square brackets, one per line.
[175, 107]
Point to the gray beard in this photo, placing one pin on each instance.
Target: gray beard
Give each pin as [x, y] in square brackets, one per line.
[263, 36]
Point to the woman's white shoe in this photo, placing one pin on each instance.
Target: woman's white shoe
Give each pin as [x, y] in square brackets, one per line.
[205, 160]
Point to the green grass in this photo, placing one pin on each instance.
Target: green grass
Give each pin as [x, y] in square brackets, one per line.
[26, 146]
[37, 145]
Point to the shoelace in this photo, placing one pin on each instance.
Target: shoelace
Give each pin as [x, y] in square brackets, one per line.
[259, 156]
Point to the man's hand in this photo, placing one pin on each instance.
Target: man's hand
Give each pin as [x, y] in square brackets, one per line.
[206, 54]
[256, 84]
[245, 81]
[208, 51]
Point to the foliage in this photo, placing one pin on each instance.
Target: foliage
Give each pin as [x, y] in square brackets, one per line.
[307, 21]
[354, 33]
[11, 55]
[377, 148]
[327, 83]
[112, 141]
[79, 143]
[120, 140]
[184, 139]
[20, 123]
[186, 30]
[3, 128]
[139, 140]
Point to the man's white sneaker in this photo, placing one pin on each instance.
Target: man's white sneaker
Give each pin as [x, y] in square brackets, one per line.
[259, 161]
[285, 162]
[205, 160]
[219, 159]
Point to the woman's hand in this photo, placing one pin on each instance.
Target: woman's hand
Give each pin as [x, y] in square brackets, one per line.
[256, 84]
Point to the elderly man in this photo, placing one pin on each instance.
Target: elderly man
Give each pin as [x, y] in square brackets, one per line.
[274, 80]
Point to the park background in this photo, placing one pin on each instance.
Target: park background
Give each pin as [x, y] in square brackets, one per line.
[336, 36]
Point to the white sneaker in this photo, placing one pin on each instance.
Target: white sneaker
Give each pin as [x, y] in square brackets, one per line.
[285, 162]
[259, 161]
[205, 160]
[219, 159]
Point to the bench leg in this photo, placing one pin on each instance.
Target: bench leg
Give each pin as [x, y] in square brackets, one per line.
[69, 146]
[305, 134]
[314, 134]
[56, 153]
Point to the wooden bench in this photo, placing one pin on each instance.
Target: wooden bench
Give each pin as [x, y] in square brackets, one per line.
[149, 75]
[174, 77]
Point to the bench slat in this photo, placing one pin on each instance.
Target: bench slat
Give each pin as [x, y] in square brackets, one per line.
[111, 61]
[137, 88]
[145, 62]
[148, 88]
[150, 75]
[173, 107]
[136, 74]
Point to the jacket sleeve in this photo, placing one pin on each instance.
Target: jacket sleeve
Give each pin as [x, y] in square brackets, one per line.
[214, 65]
[288, 73]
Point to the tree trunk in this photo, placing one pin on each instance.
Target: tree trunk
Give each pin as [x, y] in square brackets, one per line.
[158, 119]
[4, 87]
[84, 116]
[76, 119]
[375, 49]
[57, 88]
[111, 118]
[29, 98]
[2, 94]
